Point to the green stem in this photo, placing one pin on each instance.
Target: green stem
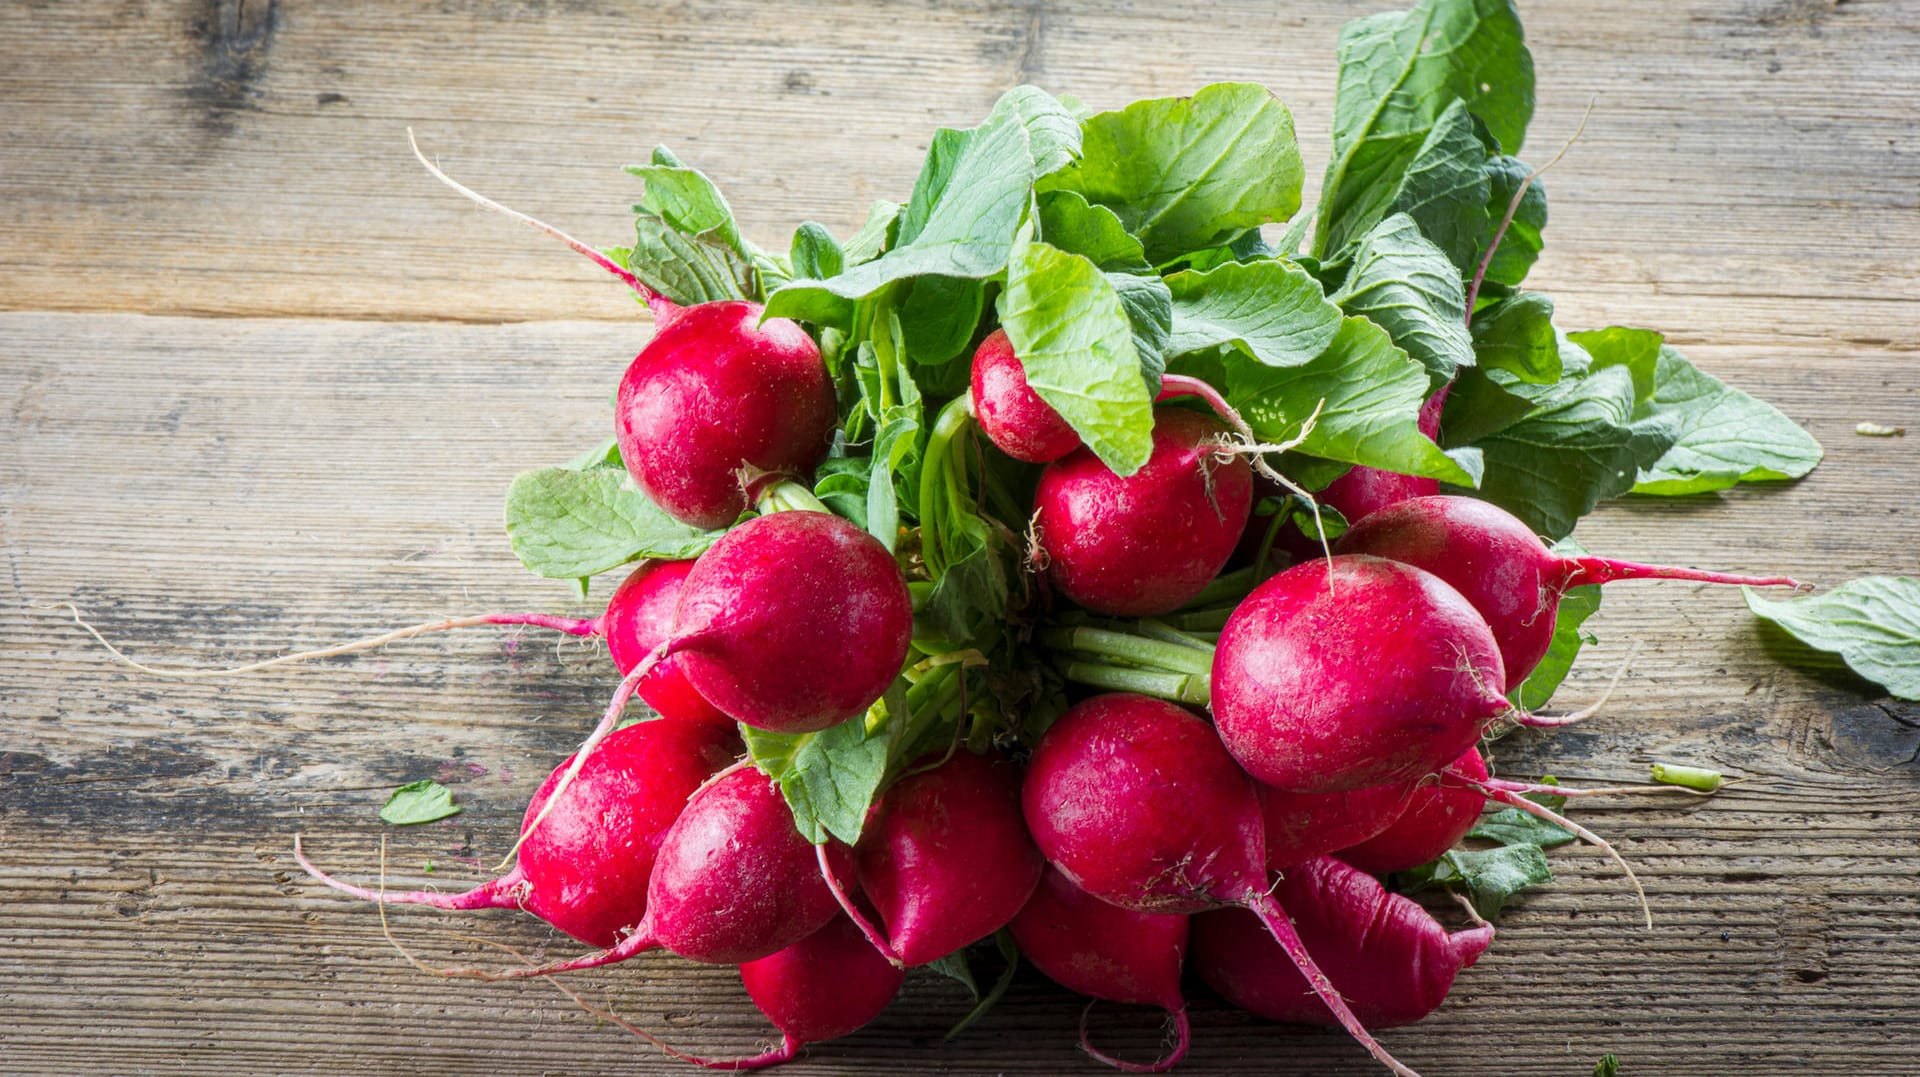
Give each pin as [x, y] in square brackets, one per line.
[788, 496]
[1177, 687]
[1699, 778]
[926, 687]
[920, 591]
[1165, 632]
[1226, 587]
[1174, 657]
[1201, 620]
[936, 476]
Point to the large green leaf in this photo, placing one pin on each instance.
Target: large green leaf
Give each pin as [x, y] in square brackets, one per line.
[1272, 311]
[1075, 341]
[1403, 283]
[1184, 173]
[1439, 179]
[1872, 623]
[1372, 392]
[1722, 436]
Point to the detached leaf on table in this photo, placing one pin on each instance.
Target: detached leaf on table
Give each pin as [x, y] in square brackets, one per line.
[1872, 623]
[419, 802]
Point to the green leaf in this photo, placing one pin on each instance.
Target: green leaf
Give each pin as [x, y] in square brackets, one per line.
[1577, 446]
[606, 454]
[1636, 350]
[1516, 335]
[815, 255]
[1490, 877]
[1149, 307]
[954, 967]
[1520, 247]
[876, 235]
[1404, 284]
[565, 524]
[1272, 312]
[939, 316]
[1511, 826]
[419, 802]
[1053, 130]
[1372, 393]
[1576, 605]
[1721, 435]
[1184, 173]
[1872, 623]
[841, 482]
[1068, 326]
[688, 202]
[972, 594]
[1608, 1066]
[1010, 956]
[1437, 178]
[828, 778]
[1068, 221]
[684, 268]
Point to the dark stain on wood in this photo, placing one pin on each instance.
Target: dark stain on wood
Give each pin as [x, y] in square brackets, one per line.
[235, 38]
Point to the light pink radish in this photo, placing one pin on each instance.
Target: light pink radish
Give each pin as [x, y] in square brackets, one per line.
[1301, 826]
[1147, 543]
[1502, 568]
[1103, 951]
[1009, 412]
[1353, 672]
[1437, 816]
[586, 870]
[1389, 958]
[946, 859]
[1135, 801]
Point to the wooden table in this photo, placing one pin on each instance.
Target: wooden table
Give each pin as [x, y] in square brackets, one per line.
[264, 383]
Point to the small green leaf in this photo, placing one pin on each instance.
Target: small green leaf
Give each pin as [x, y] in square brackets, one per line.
[876, 235]
[1608, 1066]
[419, 802]
[815, 255]
[954, 967]
[1074, 339]
[1439, 180]
[1149, 307]
[1068, 221]
[1511, 826]
[1872, 623]
[564, 524]
[686, 269]
[1184, 173]
[1516, 335]
[1273, 312]
[1010, 956]
[1489, 876]
[828, 778]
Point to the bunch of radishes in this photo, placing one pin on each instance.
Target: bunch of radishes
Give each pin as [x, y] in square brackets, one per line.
[955, 601]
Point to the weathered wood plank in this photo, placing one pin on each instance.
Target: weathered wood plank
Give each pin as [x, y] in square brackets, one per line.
[217, 489]
[1748, 175]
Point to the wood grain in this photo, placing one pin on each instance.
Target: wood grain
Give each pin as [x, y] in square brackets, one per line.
[240, 413]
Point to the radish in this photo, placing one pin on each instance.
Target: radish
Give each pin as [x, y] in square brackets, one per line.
[1389, 958]
[1353, 672]
[733, 882]
[1147, 543]
[821, 988]
[1103, 951]
[639, 618]
[586, 871]
[1009, 412]
[718, 403]
[1135, 801]
[945, 858]
[1503, 568]
[1301, 826]
[1437, 816]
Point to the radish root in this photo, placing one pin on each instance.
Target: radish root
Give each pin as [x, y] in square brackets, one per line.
[1179, 1026]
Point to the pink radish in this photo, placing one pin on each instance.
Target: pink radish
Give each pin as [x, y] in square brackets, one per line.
[1353, 672]
[1103, 951]
[1389, 958]
[586, 871]
[1147, 543]
[823, 987]
[733, 882]
[639, 618]
[1437, 816]
[1502, 568]
[946, 859]
[1009, 412]
[1135, 801]
[1301, 826]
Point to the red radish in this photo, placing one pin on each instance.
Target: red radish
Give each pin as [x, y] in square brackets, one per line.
[821, 988]
[586, 871]
[639, 618]
[1147, 543]
[1301, 826]
[1009, 412]
[733, 882]
[1362, 490]
[718, 401]
[1103, 951]
[1437, 817]
[946, 859]
[1503, 568]
[1353, 672]
[1135, 801]
[1389, 958]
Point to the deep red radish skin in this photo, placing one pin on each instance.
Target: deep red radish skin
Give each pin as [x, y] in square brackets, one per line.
[1135, 801]
[585, 871]
[1502, 567]
[1437, 818]
[1106, 952]
[1390, 959]
[1009, 412]
[946, 858]
[1147, 543]
[639, 618]
[1301, 826]
[825, 986]
[793, 622]
[716, 399]
[1353, 672]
